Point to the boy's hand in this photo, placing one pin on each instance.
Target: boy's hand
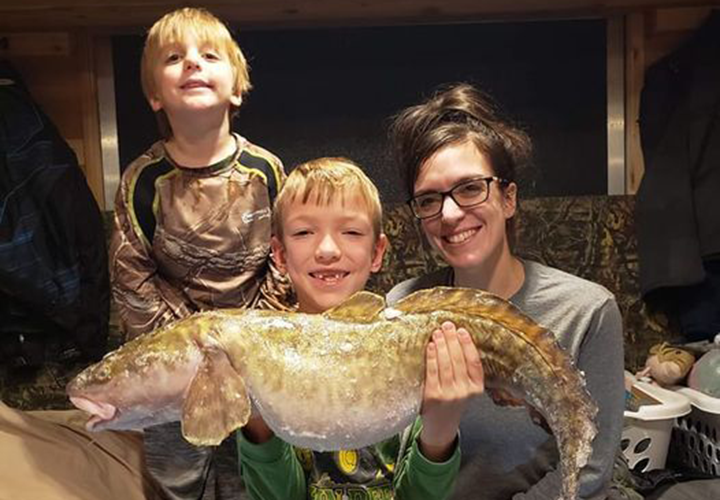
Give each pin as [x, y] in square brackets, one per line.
[453, 376]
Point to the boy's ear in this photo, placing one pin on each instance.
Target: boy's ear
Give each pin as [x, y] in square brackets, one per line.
[277, 252]
[236, 99]
[378, 252]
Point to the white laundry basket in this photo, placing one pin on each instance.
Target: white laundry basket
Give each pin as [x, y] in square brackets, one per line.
[696, 436]
[647, 431]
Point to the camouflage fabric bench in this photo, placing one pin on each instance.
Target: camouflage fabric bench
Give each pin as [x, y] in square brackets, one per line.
[592, 237]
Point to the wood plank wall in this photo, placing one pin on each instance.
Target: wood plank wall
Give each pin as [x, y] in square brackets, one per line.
[58, 69]
[60, 72]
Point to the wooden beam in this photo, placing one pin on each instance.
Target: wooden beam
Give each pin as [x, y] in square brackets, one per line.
[678, 19]
[90, 117]
[29, 14]
[634, 76]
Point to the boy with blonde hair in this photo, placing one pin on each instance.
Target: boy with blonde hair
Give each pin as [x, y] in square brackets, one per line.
[192, 216]
[328, 239]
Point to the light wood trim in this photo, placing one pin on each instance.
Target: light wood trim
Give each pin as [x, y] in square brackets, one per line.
[90, 116]
[634, 75]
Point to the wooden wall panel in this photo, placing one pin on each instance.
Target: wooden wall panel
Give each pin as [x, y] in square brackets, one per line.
[58, 70]
[28, 14]
[634, 73]
[650, 35]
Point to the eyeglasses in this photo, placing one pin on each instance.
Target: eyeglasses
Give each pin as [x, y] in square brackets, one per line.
[465, 194]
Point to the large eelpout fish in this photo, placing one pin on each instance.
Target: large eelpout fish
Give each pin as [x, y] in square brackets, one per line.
[344, 379]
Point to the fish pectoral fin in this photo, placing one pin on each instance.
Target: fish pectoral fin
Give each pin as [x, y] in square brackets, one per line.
[216, 402]
[361, 307]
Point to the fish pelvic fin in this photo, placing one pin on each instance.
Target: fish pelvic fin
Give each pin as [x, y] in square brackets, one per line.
[216, 402]
[361, 307]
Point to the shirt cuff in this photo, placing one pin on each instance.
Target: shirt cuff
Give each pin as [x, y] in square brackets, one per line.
[427, 466]
[267, 452]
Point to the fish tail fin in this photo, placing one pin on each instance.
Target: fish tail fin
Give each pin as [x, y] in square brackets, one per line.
[216, 402]
[574, 435]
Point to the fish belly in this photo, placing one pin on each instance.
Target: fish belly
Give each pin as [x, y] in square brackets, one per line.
[334, 410]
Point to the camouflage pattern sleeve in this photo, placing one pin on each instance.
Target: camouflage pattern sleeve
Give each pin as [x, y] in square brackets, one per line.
[145, 301]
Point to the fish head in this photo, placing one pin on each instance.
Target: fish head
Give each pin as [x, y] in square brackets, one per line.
[141, 384]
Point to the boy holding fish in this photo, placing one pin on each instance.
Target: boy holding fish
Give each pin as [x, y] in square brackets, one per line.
[345, 372]
[328, 239]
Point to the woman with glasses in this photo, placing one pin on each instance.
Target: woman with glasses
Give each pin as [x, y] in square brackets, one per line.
[460, 158]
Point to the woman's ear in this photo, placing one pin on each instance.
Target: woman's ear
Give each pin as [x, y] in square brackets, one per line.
[509, 195]
[277, 252]
[378, 253]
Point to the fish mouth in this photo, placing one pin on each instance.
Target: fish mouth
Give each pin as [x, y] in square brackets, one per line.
[100, 413]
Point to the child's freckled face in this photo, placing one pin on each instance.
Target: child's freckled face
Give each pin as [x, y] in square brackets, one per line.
[328, 251]
[192, 75]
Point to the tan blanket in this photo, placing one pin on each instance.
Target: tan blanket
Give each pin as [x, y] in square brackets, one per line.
[49, 455]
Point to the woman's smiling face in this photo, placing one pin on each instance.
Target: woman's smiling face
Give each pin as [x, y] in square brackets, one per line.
[468, 238]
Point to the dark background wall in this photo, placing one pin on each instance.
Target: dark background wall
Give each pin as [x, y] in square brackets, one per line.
[324, 92]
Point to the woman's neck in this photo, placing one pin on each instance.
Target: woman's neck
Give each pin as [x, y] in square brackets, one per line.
[504, 277]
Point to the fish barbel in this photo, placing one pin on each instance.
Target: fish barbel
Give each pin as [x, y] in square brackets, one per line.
[344, 379]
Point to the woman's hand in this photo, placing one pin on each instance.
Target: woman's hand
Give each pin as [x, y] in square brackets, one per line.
[454, 375]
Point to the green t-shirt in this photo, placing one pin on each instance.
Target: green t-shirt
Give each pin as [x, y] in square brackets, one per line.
[393, 469]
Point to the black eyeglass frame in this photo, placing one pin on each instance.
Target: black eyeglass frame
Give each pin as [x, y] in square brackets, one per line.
[488, 180]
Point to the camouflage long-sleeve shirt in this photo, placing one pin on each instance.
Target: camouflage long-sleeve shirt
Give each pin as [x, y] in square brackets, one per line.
[190, 239]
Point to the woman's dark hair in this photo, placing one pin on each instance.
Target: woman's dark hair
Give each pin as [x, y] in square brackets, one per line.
[455, 114]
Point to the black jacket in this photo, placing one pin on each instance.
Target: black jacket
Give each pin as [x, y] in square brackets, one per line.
[678, 203]
[53, 258]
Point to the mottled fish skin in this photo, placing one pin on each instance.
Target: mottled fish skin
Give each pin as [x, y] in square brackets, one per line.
[344, 379]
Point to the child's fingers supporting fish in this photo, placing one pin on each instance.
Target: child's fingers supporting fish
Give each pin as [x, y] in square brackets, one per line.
[454, 374]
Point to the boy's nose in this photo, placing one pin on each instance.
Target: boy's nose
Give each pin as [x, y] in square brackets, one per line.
[328, 249]
[192, 60]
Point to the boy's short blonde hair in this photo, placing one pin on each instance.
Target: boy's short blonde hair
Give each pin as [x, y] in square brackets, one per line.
[173, 28]
[322, 181]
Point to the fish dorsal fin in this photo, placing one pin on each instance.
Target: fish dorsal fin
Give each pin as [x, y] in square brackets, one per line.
[362, 307]
[471, 302]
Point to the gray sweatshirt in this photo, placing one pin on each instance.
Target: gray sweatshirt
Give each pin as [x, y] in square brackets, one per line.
[504, 454]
